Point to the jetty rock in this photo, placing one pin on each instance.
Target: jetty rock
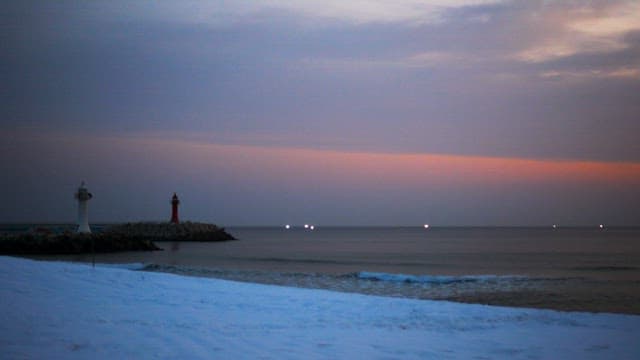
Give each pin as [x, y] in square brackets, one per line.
[168, 231]
[71, 243]
[116, 238]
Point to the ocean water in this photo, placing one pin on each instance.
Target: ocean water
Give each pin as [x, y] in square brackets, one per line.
[586, 269]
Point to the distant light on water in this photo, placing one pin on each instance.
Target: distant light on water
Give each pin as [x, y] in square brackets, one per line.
[426, 226]
[601, 226]
[312, 227]
[287, 226]
[555, 226]
[306, 226]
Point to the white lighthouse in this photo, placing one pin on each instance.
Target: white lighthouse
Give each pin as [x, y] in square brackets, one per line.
[83, 195]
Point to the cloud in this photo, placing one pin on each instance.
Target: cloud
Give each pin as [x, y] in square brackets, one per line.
[557, 49]
[506, 40]
[619, 73]
[352, 12]
[377, 11]
[586, 29]
[380, 80]
[617, 20]
[427, 59]
[434, 58]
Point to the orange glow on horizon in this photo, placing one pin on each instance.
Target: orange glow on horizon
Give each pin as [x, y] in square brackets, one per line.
[286, 167]
[380, 170]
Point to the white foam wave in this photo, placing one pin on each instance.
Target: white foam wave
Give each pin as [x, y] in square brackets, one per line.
[433, 279]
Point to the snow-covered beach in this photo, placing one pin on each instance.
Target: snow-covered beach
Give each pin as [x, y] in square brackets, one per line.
[65, 310]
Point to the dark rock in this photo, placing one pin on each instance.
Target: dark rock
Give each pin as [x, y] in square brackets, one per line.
[124, 237]
[185, 231]
[67, 243]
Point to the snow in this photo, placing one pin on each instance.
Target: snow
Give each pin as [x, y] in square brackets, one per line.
[73, 311]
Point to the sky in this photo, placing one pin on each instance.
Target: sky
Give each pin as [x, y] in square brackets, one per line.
[366, 112]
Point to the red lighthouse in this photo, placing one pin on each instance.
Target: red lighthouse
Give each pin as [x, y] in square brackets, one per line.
[174, 209]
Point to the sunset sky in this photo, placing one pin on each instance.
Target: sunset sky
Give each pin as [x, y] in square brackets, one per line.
[331, 112]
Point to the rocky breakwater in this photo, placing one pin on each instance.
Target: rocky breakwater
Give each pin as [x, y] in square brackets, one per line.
[185, 231]
[33, 243]
[117, 238]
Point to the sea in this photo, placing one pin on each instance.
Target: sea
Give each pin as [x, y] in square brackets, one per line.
[571, 269]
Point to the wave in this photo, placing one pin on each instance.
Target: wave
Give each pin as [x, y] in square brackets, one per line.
[237, 274]
[185, 270]
[386, 283]
[357, 262]
[129, 266]
[299, 261]
[434, 279]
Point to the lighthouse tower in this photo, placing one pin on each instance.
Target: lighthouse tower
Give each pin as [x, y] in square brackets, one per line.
[174, 209]
[83, 195]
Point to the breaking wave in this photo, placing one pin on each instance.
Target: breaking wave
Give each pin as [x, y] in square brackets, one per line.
[434, 279]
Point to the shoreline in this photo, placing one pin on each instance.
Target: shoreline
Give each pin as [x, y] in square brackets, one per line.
[571, 270]
[598, 297]
[544, 297]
